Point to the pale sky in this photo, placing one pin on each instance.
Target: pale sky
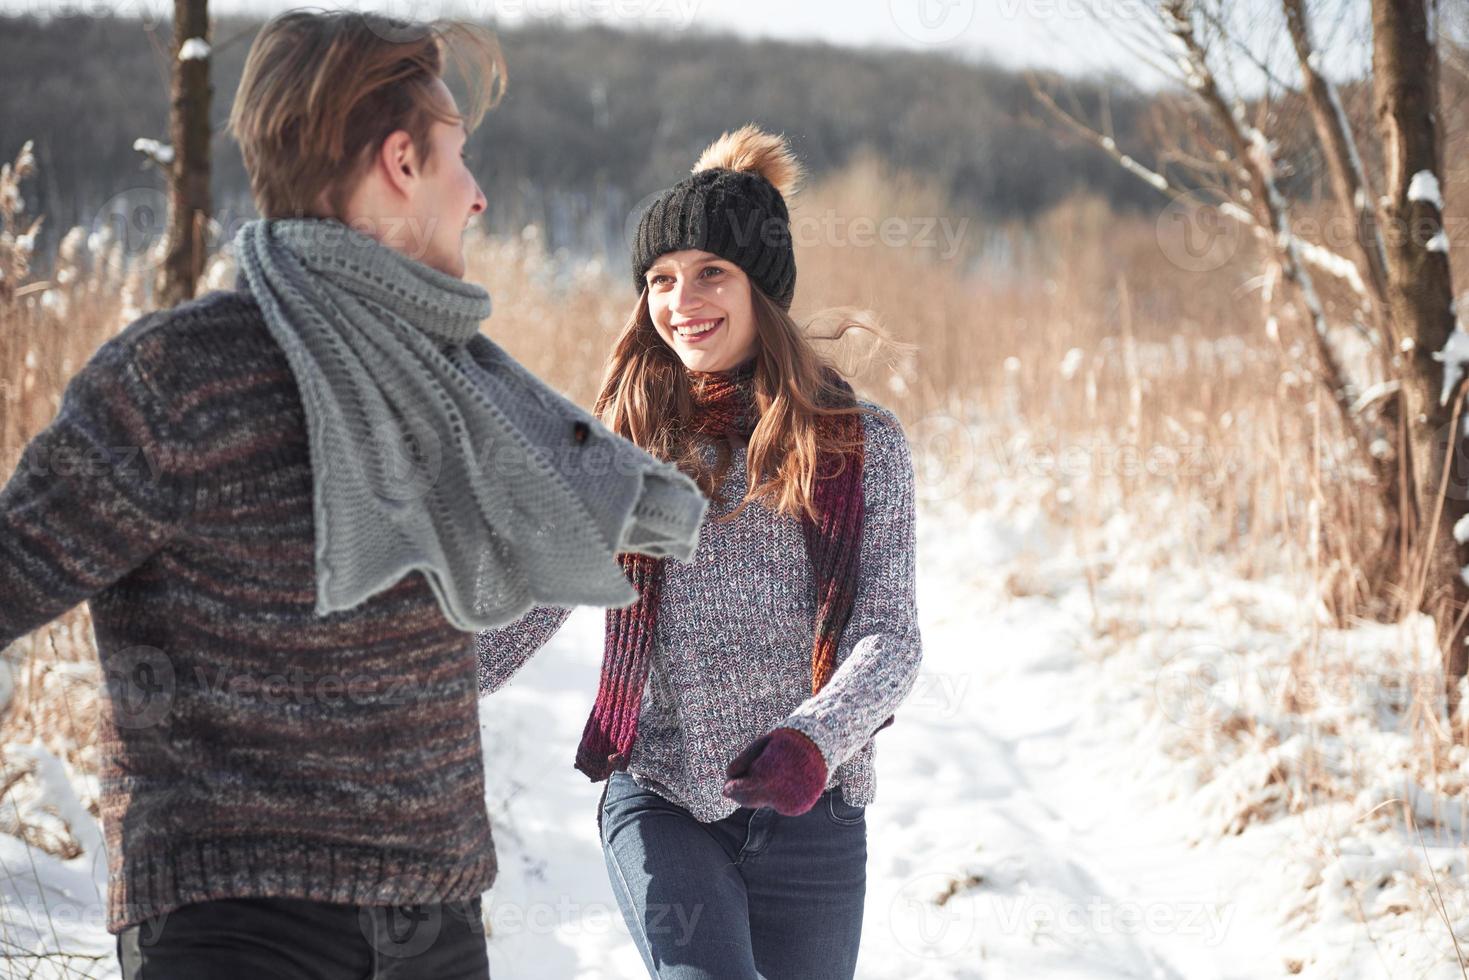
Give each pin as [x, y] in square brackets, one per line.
[1060, 34]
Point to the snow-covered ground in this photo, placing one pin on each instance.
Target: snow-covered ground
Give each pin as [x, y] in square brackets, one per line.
[1002, 785]
[1093, 778]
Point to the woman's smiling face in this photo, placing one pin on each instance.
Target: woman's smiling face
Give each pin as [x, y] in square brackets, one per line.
[700, 305]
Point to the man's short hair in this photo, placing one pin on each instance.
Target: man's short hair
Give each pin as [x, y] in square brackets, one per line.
[321, 90]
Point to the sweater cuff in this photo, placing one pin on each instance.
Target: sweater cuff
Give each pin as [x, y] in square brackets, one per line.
[819, 737]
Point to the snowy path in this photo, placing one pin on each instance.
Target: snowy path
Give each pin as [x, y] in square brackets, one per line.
[1001, 766]
[1010, 769]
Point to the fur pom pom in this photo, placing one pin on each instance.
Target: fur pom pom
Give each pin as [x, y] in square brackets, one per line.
[752, 150]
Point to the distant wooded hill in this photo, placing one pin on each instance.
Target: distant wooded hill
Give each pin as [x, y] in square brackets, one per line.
[593, 121]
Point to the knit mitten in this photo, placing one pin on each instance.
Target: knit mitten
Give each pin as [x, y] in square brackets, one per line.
[784, 770]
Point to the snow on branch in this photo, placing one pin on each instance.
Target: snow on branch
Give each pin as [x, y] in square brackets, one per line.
[1424, 187]
[1332, 263]
[1453, 356]
[195, 48]
[159, 153]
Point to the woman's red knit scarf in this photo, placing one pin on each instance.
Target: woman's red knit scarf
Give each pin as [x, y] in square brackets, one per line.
[724, 405]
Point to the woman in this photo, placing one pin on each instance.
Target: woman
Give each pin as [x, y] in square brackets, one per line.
[739, 694]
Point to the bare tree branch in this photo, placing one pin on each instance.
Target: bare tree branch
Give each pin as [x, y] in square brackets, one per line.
[1255, 154]
[1320, 256]
[1348, 177]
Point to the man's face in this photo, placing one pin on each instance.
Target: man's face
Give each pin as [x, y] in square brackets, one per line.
[420, 208]
[447, 196]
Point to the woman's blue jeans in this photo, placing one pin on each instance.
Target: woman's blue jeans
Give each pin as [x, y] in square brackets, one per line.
[754, 896]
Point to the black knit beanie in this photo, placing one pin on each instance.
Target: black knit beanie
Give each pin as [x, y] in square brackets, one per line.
[736, 212]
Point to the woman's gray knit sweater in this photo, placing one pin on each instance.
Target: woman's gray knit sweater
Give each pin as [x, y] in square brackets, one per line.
[732, 655]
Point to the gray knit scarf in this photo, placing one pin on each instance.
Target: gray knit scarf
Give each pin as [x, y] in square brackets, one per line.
[433, 449]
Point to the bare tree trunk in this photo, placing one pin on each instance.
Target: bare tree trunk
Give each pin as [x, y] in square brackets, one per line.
[1358, 206]
[189, 203]
[1405, 89]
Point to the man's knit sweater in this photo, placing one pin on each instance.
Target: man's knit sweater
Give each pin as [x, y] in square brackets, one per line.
[732, 653]
[250, 748]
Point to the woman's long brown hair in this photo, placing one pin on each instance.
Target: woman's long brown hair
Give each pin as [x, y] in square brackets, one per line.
[645, 398]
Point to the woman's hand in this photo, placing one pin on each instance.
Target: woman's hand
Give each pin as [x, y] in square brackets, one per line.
[784, 770]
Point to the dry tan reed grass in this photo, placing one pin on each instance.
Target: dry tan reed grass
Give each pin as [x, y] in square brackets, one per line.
[1075, 331]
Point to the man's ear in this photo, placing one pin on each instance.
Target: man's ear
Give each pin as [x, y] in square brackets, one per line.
[398, 160]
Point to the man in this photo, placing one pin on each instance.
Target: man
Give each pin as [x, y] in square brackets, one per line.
[291, 775]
